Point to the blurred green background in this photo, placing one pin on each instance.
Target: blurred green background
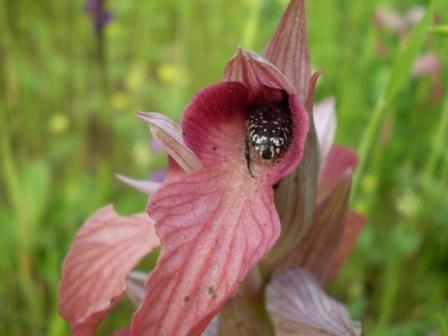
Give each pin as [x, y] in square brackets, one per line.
[68, 97]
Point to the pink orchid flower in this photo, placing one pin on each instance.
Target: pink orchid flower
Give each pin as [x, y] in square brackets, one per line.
[243, 180]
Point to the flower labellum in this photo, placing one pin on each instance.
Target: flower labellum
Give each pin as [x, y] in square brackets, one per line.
[298, 306]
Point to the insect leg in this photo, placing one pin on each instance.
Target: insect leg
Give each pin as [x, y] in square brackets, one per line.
[247, 155]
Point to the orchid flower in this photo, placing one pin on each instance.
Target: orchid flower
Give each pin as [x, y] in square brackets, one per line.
[246, 213]
[100, 16]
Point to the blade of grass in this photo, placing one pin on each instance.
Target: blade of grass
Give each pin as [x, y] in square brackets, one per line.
[250, 28]
[440, 30]
[439, 141]
[397, 80]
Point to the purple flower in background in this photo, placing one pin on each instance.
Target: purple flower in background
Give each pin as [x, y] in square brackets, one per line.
[100, 16]
[156, 145]
[159, 175]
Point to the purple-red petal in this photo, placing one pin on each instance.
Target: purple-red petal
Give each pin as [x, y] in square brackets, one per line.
[353, 224]
[311, 88]
[288, 48]
[318, 248]
[325, 122]
[214, 227]
[170, 135]
[94, 271]
[255, 71]
[339, 162]
[298, 306]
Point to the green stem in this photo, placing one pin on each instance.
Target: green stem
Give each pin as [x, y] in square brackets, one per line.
[250, 29]
[366, 143]
[439, 141]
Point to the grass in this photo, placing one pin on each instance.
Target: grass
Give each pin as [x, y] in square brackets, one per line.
[67, 124]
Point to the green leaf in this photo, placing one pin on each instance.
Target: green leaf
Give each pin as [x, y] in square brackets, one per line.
[35, 186]
[440, 30]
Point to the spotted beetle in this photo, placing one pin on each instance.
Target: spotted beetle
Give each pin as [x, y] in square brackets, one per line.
[269, 133]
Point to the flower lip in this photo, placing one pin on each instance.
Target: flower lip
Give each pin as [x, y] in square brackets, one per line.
[236, 134]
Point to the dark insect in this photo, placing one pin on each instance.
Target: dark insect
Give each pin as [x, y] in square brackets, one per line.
[269, 133]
